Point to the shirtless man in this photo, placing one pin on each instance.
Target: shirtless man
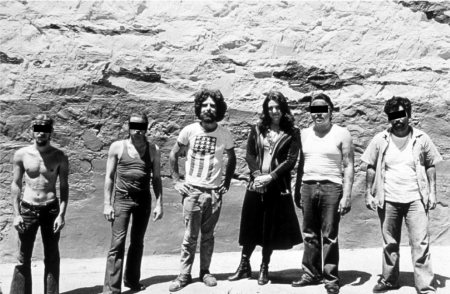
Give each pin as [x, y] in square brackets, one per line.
[323, 191]
[41, 165]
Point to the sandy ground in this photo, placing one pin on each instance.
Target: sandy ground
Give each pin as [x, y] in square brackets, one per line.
[359, 270]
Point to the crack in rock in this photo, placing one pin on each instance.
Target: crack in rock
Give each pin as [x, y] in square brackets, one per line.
[305, 80]
[225, 59]
[106, 32]
[149, 75]
[434, 11]
[4, 58]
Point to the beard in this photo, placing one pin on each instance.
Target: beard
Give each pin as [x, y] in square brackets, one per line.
[42, 143]
[399, 126]
[208, 117]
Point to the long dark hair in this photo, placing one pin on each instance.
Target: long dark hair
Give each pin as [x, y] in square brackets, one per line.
[216, 96]
[287, 120]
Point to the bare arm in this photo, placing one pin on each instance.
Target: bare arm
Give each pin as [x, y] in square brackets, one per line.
[111, 166]
[370, 176]
[431, 174]
[16, 189]
[348, 156]
[180, 186]
[231, 166]
[63, 192]
[157, 186]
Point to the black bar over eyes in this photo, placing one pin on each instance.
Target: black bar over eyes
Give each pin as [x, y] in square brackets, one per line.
[42, 128]
[138, 126]
[319, 109]
[396, 114]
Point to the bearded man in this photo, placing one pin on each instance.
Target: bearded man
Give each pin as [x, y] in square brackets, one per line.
[202, 191]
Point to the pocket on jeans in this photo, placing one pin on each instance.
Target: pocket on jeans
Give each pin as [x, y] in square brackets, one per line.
[190, 205]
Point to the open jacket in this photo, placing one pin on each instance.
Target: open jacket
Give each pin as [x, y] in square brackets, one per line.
[425, 155]
[284, 157]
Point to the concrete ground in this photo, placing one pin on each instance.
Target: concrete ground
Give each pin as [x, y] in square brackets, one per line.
[359, 271]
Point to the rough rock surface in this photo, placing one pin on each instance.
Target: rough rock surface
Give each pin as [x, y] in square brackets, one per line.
[92, 63]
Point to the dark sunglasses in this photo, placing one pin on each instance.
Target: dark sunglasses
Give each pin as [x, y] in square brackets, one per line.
[42, 129]
[396, 114]
[138, 126]
[319, 109]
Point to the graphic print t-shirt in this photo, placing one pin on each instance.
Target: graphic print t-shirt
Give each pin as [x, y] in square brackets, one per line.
[204, 156]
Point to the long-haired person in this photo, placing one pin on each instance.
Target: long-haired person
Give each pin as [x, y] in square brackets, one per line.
[268, 213]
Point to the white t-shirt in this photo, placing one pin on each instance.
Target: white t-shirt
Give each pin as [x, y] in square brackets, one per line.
[400, 181]
[204, 155]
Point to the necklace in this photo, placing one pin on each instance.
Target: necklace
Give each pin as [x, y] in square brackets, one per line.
[272, 137]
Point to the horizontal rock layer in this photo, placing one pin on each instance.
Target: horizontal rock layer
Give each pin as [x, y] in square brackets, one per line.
[90, 64]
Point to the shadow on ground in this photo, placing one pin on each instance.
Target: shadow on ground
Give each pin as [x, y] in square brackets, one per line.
[86, 290]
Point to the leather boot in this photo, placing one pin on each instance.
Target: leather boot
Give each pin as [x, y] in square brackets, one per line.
[263, 274]
[244, 271]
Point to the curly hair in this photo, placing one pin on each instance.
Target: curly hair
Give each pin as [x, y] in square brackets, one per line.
[216, 96]
[395, 102]
[287, 120]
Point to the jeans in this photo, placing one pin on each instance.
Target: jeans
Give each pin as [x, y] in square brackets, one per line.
[33, 218]
[416, 219]
[201, 210]
[320, 228]
[139, 205]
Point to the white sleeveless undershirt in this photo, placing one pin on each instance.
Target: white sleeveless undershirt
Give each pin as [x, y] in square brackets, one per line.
[323, 159]
[400, 181]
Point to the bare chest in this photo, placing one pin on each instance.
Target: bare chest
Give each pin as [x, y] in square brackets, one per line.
[42, 168]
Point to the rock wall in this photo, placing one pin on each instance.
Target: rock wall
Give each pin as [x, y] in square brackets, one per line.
[90, 64]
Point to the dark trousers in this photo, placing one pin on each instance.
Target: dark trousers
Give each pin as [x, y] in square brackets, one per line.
[33, 218]
[125, 205]
[320, 228]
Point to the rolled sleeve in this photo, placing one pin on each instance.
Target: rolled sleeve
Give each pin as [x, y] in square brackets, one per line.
[432, 155]
[370, 154]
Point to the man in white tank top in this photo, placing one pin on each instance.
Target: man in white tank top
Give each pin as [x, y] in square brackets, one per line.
[325, 176]
[401, 184]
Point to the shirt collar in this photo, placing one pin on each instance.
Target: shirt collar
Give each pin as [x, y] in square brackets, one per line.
[415, 133]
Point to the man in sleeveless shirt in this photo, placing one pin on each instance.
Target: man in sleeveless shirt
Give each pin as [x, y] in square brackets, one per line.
[131, 165]
[202, 190]
[325, 176]
[401, 184]
[41, 165]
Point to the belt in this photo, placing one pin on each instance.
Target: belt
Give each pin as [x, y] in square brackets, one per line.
[203, 189]
[317, 182]
[41, 205]
[131, 194]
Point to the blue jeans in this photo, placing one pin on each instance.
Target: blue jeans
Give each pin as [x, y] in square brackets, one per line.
[33, 218]
[201, 210]
[139, 205]
[320, 228]
[416, 219]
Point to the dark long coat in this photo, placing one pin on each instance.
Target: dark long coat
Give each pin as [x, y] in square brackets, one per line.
[269, 219]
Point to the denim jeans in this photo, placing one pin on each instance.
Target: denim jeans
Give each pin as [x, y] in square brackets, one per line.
[201, 210]
[33, 218]
[416, 219]
[320, 229]
[125, 205]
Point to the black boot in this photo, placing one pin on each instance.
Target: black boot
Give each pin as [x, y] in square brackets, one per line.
[263, 274]
[244, 271]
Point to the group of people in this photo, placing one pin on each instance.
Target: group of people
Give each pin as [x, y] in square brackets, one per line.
[400, 186]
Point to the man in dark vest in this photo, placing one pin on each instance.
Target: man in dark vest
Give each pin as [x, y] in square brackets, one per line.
[131, 165]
